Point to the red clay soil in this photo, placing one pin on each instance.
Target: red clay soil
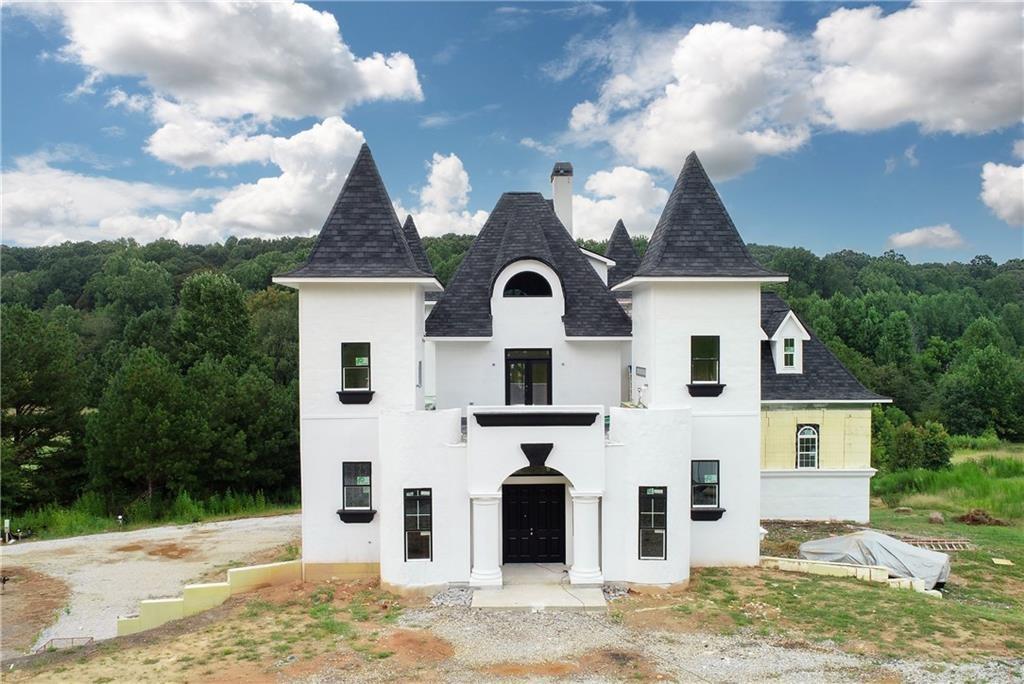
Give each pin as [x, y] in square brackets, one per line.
[29, 602]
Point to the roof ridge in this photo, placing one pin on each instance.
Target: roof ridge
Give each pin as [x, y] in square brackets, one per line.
[695, 235]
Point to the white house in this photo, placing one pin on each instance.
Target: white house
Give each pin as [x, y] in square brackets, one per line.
[555, 405]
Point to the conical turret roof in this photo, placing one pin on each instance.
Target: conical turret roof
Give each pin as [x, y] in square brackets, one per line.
[695, 235]
[620, 249]
[361, 237]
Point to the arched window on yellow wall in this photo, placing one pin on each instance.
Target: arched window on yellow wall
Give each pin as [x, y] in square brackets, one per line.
[807, 446]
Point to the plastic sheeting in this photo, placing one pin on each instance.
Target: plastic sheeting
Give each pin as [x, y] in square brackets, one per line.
[875, 548]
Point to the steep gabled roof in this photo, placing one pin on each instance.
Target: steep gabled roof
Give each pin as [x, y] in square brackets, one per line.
[412, 238]
[824, 377]
[523, 226]
[361, 237]
[620, 249]
[695, 236]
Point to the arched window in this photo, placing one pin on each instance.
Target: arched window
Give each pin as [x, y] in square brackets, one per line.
[527, 284]
[807, 446]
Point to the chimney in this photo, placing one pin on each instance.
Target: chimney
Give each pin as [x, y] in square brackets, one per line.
[561, 193]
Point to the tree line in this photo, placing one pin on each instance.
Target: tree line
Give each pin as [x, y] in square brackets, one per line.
[133, 373]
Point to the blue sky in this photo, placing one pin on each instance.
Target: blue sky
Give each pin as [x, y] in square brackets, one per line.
[827, 126]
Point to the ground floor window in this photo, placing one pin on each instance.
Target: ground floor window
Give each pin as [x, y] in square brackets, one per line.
[418, 524]
[807, 446]
[653, 520]
[704, 478]
[355, 481]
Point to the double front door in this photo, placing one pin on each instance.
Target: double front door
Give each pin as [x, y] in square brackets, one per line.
[533, 521]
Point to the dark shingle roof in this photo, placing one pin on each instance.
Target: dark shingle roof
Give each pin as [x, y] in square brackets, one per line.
[824, 377]
[620, 250]
[412, 238]
[523, 226]
[362, 236]
[561, 169]
[695, 236]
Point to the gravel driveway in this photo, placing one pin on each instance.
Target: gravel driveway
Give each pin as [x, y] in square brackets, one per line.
[110, 573]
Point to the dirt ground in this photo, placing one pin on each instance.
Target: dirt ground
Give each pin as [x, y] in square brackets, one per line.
[29, 602]
[106, 575]
[356, 632]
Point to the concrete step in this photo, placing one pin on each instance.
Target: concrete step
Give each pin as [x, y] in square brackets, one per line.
[536, 597]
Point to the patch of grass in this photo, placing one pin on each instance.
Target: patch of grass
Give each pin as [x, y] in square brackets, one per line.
[256, 607]
[989, 482]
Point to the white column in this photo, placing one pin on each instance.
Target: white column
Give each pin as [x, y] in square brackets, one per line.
[586, 538]
[486, 517]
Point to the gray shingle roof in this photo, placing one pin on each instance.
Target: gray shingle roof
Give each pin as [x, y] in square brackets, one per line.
[620, 249]
[412, 238]
[695, 236]
[523, 226]
[824, 377]
[361, 237]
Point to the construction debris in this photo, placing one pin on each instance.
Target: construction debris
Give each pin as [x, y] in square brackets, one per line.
[1002, 561]
[980, 516]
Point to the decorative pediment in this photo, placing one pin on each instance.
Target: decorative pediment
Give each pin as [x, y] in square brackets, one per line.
[536, 454]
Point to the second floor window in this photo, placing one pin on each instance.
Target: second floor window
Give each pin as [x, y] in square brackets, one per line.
[704, 476]
[704, 358]
[807, 446]
[789, 352]
[355, 366]
[527, 284]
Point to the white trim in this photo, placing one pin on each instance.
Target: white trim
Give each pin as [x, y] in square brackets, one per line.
[610, 338]
[808, 402]
[790, 314]
[595, 255]
[433, 283]
[640, 280]
[819, 472]
[428, 338]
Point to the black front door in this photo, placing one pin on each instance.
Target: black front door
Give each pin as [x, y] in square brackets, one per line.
[533, 518]
[527, 377]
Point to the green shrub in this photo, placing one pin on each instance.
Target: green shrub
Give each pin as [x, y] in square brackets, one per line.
[184, 510]
[936, 451]
[994, 484]
[987, 440]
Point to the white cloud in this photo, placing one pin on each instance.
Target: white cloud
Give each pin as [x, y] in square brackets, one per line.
[1002, 191]
[532, 144]
[444, 200]
[44, 205]
[187, 140]
[733, 94]
[113, 131]
[910, 155]
[937, 237]
[1018, 149]
[281, 59]
[890, 165]
[953, 67]
[624, 192]
[132, 103]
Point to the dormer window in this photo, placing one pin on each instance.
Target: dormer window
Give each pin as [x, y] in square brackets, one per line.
[789, 352]
[527, 284]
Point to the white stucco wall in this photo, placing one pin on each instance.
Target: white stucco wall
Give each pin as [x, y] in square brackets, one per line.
[790, 328]
[599, 265]
[389, 317]
[727, 427]
[420, 449]
[647, 447]
[816, 494]
[583, 372]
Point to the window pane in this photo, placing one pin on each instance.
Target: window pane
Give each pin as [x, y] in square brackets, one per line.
[417, 545]
[704, 347]
[652, 544]
[705, 495]
[356, 473]
[705, 371]
[357, 497]
[789, 345]
[527, 284]
[704, 472]
[355, 354]
[528, 353]
[539, 381]
[356, 378]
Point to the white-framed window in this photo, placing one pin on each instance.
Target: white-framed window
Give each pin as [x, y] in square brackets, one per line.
[527, 284]
[419, 524]
[789, 352]
[653, 521]
[807, 446]
[355, 366]
[355, 486]
[704, 484]
[704, 357]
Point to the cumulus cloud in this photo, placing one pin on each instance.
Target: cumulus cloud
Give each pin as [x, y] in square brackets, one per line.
[444, 200]
[736, 93]
[1002, 191]
[532, 144]
[937, 237]
[954, 67]
[228, 60]
[624, 192]
[733, 94]
[45, 205]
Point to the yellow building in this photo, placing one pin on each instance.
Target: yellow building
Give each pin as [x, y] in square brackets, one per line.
[815, 425]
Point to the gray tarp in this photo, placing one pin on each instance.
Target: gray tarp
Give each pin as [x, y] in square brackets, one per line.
[875, 548]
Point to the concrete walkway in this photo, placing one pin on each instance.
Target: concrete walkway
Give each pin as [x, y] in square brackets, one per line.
[538, 586]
